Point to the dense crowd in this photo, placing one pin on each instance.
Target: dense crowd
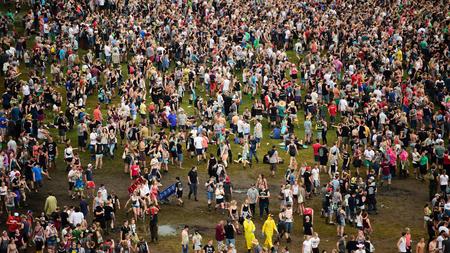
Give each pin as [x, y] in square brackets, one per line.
[375, 73]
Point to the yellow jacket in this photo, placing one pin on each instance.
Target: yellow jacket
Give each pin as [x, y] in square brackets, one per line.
[249, 226]
[269, 226]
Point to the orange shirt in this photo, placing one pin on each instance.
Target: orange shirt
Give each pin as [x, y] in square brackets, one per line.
[97, 114]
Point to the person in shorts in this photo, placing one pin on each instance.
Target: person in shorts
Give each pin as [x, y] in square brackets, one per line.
[179, 191]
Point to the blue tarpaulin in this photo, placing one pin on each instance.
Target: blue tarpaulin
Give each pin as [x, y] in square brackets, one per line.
[166, 193]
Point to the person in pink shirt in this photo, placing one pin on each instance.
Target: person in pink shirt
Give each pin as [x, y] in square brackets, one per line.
[403, 163]
[392, 160]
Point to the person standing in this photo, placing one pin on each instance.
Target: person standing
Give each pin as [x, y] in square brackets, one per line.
[443, 183]
[263, 199]
[220, 235]
[401, 243]
[315, 241]
[307, 246]
[153, 211]
[197, 242]
[273, 160]
[193, 183]
[185, 239]
[230, 231]
[252, 195]
[253, 146]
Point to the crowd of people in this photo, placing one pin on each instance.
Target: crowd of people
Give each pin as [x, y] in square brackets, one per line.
[158, 86]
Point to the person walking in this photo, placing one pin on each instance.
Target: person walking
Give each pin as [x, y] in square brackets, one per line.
[253, 196]
[249, 232]
[193, 183]
[50, 204]
[268, 229]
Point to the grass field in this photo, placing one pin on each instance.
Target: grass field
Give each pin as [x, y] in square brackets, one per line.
[399, 208]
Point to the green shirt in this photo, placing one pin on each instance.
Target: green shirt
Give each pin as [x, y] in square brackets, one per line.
[439, 150]
[423, 160]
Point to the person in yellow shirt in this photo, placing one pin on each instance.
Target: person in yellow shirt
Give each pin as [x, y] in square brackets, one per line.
[143, 111]
[144, 131]
[268, 228]
[249, 232]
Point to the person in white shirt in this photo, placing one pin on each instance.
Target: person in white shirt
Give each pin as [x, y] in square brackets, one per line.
[343, 106]
[307, 245]
[315, 241]
[107, 51]
[198, 144]
[76, 217]
[443, 182]
[401, 244]
[369, 154]
[258, 132]
[315, 172]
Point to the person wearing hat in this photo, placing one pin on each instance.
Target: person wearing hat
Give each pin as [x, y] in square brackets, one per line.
[268, 229]
[249, 232]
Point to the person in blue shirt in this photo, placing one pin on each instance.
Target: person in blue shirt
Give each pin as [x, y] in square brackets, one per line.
[6, 100]
[172, 120]
[37, 176]
[15, 113]
[3, 124]
[252, 150]
[276, 133]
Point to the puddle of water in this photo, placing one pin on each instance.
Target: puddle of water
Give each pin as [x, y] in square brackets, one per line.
[240, 191]
[167, 230]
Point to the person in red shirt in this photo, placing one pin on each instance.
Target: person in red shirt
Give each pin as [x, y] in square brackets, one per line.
[447, 162]
[220, 233]
[316, 146]
[135, 170]
[332, 110]
[13, 222]
[97, 114]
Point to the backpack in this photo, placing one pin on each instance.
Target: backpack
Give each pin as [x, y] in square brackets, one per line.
[143, 247]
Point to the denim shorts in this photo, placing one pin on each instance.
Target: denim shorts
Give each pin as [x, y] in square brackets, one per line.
[288, 226]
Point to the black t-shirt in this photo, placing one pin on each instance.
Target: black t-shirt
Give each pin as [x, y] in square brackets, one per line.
[51, 148]
[263, 195]
[351, 246]
[345, 131]
[64, 218]
[61, 123]
[101, 216]
[179, 186]
[193, 176]
[108, 212]
[229, 231]
[446, 246]
[209, 249]
[307, 228]
[125, 231]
